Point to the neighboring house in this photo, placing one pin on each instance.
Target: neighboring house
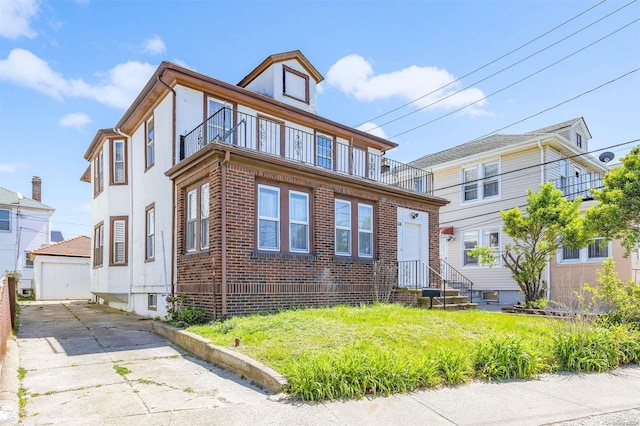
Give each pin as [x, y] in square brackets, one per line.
[244, 199]
[25, 225]
[485, 176]
[61, 270]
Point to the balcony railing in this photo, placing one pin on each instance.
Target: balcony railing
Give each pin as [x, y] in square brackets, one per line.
[273, 138]
[579, 186]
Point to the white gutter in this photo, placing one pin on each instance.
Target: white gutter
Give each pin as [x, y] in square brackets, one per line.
[130, 230]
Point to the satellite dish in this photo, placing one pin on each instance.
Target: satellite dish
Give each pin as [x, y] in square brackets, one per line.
[606, 156]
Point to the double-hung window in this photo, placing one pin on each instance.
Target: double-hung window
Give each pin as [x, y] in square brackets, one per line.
[197, 218]
[98, 173]
[324, 151]
[353, 228]
[481, 181]
[98, 245]
[268, 218]
[150, 151]
[118, 162]
[564, 173]
[5, 220]
[150, 240]
[284, 219]
[119, 240]
[486, 237]
[28, 261]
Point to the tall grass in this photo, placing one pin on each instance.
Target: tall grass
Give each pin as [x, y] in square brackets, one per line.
[506, 358]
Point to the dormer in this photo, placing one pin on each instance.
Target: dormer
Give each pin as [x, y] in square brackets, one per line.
[286, 77]
[580, 135]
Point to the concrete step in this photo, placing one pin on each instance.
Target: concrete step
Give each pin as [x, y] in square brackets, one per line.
[457, 306]
[451, 300]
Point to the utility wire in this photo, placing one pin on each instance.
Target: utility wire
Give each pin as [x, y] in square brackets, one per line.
[525, 78]
[504, 69]
[485, 65]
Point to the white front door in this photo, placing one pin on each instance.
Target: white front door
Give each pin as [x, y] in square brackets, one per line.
[444, 254]
[413, 248]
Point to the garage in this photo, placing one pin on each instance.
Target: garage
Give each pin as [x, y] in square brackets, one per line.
[61, 270]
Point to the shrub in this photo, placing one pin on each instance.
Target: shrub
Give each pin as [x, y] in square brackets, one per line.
[505, 358]
[182, 314]
[585, 348]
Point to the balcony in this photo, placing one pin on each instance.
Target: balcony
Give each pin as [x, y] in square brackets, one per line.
[579, 186]
[273, 138]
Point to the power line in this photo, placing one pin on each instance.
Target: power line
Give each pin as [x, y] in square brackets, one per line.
[525, 78]
[507, 68]
[486, 65]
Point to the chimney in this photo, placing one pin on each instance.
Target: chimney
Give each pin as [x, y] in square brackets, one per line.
[36, 188]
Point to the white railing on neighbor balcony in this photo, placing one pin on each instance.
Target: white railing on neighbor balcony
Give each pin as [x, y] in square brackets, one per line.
[579, 186]
[275, 139]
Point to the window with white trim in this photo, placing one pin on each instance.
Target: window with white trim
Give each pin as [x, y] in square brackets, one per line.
[5, 220]
[118, 162]
[299, 221]
[150, 241]
[268, 218]
[324, 151]
[354, 229]
[569, 253]
[28, 261]
[598, 250]
[218, 121]
[485, 237]
[150, 138]
[481, 181]
[191, 215]
[98, 245]
[204, 216]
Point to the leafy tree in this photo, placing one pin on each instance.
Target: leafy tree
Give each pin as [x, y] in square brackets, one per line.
[617, 215]
[550, 222]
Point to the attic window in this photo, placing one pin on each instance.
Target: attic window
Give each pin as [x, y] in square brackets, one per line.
[579, 140]
[295, 84]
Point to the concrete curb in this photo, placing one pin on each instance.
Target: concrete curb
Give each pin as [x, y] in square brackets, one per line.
[9, 384]
[224, 358]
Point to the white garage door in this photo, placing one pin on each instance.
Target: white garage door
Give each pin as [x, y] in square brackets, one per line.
[62, 281]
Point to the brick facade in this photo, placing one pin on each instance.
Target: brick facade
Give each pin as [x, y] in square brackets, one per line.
[259, 281]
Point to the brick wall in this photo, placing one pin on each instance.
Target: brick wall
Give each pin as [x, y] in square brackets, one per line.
[259, 281]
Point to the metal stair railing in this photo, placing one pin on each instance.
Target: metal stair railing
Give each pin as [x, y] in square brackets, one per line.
[456, 280]
[417, 274]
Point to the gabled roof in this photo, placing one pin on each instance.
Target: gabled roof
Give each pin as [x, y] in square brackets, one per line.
[281, 57]
[488, 143]
[10, 198]
[73, 247]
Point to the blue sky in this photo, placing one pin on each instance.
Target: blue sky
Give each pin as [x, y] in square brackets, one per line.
[68, 68]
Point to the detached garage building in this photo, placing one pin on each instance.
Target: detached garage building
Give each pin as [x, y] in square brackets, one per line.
[61, 270]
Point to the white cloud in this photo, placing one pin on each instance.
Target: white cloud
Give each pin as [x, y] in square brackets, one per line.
[117, 87]
[355, 76]
[12, 167]
[154, 46]
[76, 120]
[183, 64]
[15, 18]
[373, 129]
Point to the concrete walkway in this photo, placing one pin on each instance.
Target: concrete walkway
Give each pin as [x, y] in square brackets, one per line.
[91, 365]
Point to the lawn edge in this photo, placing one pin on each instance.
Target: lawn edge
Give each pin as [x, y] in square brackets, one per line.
[224, 358]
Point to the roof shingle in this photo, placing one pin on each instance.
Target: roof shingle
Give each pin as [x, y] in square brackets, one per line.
[73, 247]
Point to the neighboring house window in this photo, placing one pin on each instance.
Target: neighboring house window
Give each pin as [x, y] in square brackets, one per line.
[570, 253]
[283, 219]
[197, 218]
[324, 151]
[218, 121]
[353, 226]
[598, 249]
[480, 182]
[5, 220]
[98, 173]
[490, 238]
[564, 172]
[150, 226]
[119, 240]
[295, 84]
[268, 218]
[28, 262]
[578, 140]
[204, 216]
[118, 161]
[150, 151]
[98, 245]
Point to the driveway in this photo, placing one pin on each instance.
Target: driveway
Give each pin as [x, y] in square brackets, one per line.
[87, 364]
